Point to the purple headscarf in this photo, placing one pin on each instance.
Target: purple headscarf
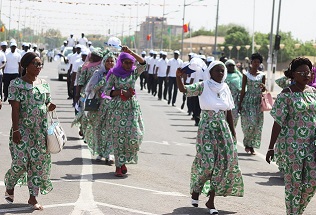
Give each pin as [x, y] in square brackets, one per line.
[118, 70]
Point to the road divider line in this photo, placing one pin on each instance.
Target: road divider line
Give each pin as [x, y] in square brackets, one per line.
[145, 189]
[125, 209]
[85, 202]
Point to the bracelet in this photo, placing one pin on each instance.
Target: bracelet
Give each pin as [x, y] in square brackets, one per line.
[121, 92]
[15, 131]
[270, 150]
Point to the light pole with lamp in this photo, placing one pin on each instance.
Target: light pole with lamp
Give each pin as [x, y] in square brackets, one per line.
[281, 48]
[184, 5]
[258, 47]
[230, 51]
[238, 48]
[247, 48]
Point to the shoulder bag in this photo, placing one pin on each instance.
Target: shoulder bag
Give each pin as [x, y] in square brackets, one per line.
[266, 101]
[91, 104]
[56, 137]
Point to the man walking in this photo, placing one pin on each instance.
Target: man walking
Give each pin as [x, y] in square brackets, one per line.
[173, 64]
[161, 73]
[12, 69]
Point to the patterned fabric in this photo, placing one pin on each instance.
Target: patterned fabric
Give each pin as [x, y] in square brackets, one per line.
[124, 119]
[97, 135]
[234, 81]
[31, 163]
[81, 118]
[215, 166]
[251, 114]
[295, 149]
[283, 82]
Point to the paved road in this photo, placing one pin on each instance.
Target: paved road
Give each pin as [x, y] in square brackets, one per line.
[159, 184]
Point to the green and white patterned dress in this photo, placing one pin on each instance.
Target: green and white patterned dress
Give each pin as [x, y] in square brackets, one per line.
[295, 149]
[251, 114]
[216, 159]
[31, 163]
[124, 119]
[234, 81]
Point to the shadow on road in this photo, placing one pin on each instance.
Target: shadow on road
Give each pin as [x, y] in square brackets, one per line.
[194, 211]
[16, 208]
[273, 178]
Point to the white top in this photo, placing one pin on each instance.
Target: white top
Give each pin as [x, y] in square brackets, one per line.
[71, 42]
[13, 60]
[83, 41]
[3, 59]
[162, 67]
[62, 48]
[197, 76]
[212, 100]
[75, 68]
[73, 58]
[151, 62]
[174, 65]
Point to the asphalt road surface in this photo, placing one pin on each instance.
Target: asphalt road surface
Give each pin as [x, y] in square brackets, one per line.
[158, 184]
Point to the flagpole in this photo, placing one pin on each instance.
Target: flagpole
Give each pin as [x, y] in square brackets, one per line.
[190, 37]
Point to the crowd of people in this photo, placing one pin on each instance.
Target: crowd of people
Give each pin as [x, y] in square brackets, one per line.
[216, 93]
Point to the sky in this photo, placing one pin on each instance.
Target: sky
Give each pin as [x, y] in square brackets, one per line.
[97, 16]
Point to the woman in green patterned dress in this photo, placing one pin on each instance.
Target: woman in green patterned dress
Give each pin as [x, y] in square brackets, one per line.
[234, 80]
[285, 80]
[293, 137]
[253, 84]
[93, 63]
[30, 100]
[96, 130]
[124, 119]
[215, 169]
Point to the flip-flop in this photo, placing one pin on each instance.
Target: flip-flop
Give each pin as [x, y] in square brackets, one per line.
[9, 198]
[213, 211]
[36, 207]
[195, 203]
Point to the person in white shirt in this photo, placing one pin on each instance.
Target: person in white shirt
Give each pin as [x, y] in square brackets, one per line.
[63, 46]
[161, 72]
[71, 41]
[90, 46]
[173, 65]
[142, 77]
[72, 59]
[151, 68]
[83, 40]
[2, 65]
[12, 69]
[35, 51]
[4, 46]
[25, 47]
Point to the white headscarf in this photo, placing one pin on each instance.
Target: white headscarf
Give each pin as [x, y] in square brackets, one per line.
[216, 96]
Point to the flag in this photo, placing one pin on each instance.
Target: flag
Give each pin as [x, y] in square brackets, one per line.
[186, 27]
[2, 29]
[148, 37]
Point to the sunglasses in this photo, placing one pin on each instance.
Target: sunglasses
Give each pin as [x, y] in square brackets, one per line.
[38, 64]
[304, 73]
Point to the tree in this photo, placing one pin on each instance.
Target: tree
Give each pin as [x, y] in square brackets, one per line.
[53, 38]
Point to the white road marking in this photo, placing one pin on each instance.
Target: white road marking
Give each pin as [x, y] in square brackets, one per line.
[125, 209]
[5, 135]
[145, 189]
[86, 202]
[161, 143]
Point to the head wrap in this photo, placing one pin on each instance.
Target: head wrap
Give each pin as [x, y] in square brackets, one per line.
[230, 61]
[118, 70]
[88, 64]
[98, 52]
[207, 75]
[26, 60]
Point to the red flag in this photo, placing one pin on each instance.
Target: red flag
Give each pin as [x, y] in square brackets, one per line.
[148, 37]
[186, 27]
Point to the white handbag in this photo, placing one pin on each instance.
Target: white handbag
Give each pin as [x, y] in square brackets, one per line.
[56, 137]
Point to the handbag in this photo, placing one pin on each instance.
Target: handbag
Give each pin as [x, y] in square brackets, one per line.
[56, 137]
[91, 104]
[266, 102]
[124, 98]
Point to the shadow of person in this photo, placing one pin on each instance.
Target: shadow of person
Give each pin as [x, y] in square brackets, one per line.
[196, 211]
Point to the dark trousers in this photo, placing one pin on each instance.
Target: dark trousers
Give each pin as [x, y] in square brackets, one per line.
[143, 80]
[70, 93]
[6, 82]
[172, 86]
[154, 86]
[162, 81]
[1, 87]
[196, 109]
[189, 103]
[150, 82]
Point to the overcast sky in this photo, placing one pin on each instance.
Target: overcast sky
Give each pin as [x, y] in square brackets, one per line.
[96, 17]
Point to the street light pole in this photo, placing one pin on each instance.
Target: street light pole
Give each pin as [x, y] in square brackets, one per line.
[162, 24]
[182, 28]
[270, 56]
[215, 42]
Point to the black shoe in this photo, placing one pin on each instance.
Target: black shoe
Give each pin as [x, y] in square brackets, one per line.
[165, 99]
[69, 97]
[173, 105]
[141, 88]
[159, 99]
[168, 102]
[182, 106]
[154, 93]
[5, 99]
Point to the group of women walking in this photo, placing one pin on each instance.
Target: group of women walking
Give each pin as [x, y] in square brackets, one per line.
[116, 126]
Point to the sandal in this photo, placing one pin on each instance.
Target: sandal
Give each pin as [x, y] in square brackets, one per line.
[195, 203]
[247, 149]
[118, 172]
[9, 198]
[252, 151]
[36, 207]
[213, 211]
[124, 169]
